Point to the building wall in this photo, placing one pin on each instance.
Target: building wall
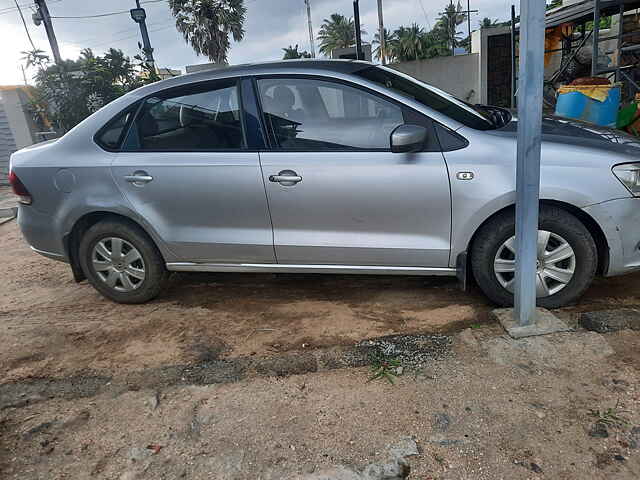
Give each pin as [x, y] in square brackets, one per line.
[13, 101]
[16, 126]
[459, 75]
[7, 146]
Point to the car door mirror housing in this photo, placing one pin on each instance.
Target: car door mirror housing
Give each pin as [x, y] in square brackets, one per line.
[408, 139]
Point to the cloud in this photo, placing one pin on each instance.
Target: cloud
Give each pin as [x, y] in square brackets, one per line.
[271, 25]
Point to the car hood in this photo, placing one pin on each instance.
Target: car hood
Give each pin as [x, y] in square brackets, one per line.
[568, 131]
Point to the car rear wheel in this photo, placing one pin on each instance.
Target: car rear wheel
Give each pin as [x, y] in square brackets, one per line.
[122, 262]
[566, 264]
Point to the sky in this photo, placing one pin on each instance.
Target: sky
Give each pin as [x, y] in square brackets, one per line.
[270, 26]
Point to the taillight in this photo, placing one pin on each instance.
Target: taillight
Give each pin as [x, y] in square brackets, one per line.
[19, 189]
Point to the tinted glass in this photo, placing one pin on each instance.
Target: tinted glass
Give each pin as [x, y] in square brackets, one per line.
[204, 120]
[305, 114]
[111, 135]
[431, 97]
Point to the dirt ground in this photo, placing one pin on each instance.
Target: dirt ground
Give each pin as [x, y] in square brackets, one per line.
[489, 408]
[52, 326]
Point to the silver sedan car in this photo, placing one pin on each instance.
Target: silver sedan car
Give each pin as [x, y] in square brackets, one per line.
[325, 167]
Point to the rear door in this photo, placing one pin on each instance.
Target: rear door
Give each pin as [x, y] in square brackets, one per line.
[186, 169]
[337, 194]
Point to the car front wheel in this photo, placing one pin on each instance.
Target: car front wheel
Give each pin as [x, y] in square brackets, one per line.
[566, 264]
[121, 262]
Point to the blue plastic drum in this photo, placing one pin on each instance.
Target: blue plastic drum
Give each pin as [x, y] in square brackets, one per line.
[577, 105]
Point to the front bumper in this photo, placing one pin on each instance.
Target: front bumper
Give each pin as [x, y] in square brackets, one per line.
[620, 223]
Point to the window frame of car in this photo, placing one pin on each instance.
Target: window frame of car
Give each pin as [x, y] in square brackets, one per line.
[251, 143]
[410, 116]
[97, 137]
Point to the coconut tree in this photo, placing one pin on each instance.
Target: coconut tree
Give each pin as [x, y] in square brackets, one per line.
[389, 38]
[35, 58]
[408, 43]
[208, 24]
[337, 31]
[292, 53]
[447, 26]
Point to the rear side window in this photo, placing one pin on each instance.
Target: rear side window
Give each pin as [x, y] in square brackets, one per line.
[111, 135]
[192, 119]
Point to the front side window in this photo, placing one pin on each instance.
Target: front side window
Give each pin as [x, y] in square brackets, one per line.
[308, 114]
[471, 116]
[200, 119]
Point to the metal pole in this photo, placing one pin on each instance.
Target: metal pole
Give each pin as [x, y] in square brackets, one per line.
[469, 22]
[383, 40]
[596, 38]
[532, 33]
[48, 26]
[514, 78]
[356, 19]
[311, 40]
[619, 44]
[146, 43]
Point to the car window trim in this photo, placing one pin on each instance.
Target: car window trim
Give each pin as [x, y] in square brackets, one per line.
[210, 84]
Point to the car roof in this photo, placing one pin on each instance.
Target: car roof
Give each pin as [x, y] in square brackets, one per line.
[301, 66]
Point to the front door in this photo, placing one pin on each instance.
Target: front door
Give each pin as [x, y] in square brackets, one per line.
[337, 195]
[186, 170]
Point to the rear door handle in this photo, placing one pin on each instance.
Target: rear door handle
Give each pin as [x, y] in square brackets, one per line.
[138, 178]
[286, 178]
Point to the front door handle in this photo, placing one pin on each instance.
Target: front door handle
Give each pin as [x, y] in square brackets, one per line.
[286, 178]
[138, 178]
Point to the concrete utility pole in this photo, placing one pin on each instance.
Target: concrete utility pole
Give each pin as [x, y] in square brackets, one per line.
[383, 40]
[311, 39]
[356, 19]
[139, 16]
[42, 15]
[532, 32]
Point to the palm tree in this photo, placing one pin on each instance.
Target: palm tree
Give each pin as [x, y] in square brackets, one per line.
[488, 23]
[408, 43]
[292, 53]
[389, 38]
[35, 58]
[447, 26]
[206, 25]
[337, 31]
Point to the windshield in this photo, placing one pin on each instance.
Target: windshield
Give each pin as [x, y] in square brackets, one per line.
[434, 98]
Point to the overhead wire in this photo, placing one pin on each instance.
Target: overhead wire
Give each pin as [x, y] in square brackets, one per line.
[26, 29]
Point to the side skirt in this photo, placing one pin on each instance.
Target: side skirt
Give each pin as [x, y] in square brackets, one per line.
[279, 268]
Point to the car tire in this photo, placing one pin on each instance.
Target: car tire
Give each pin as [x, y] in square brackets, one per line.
[491, 255]
[122, 262]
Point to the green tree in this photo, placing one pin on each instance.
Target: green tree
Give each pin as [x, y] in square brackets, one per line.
[337, 31]
[389, 38]
[292, 53]
[35, 58]
[71, 92]
[446, 28]
[414, 43]
[489, 23]
[208, 24]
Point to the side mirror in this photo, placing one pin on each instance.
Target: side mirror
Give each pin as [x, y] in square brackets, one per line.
[408, 139]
